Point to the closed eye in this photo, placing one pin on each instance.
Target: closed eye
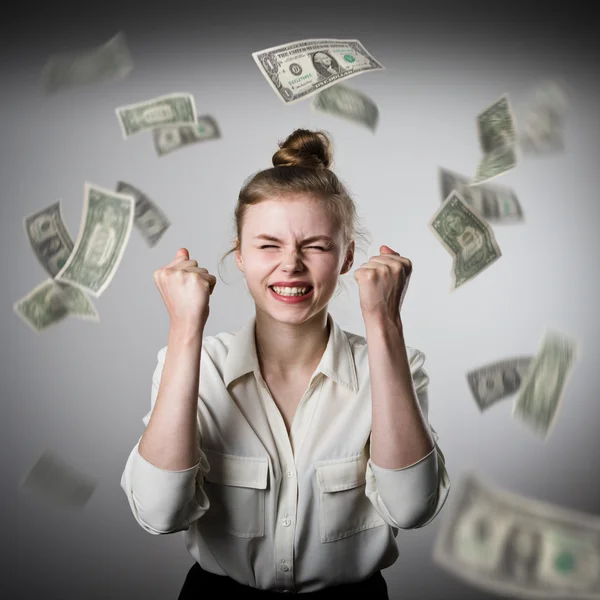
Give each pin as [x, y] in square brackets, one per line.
[317, 247]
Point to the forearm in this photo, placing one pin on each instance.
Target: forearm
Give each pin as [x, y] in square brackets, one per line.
[400, 435]
[170, 439]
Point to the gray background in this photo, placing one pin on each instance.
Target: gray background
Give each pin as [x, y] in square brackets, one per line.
[81, 389]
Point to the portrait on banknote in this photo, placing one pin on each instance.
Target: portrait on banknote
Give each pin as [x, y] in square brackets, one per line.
[50, 246]
[489, 203]
[511, 378]
[325, 64]
[522, 553]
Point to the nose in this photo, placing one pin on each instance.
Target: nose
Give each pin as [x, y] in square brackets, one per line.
[290, 261]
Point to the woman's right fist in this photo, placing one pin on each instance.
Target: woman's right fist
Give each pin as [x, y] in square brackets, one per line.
[185, 289]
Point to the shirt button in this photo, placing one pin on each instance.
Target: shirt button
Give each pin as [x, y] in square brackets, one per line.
[284, 568]
[290, 474]
[287, 522]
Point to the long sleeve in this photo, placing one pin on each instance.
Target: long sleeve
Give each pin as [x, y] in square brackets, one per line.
[411, 497]
[163, 501]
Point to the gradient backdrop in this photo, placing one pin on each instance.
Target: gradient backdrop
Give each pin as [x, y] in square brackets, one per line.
[81, 389]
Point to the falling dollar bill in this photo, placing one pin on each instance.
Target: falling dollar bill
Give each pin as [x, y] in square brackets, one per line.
[300, 69]
[496, 127]
[105, 229]
[345, 102]
[167, 139]
[172, 109]
[148, 219]
[498, 204]
[542, 131]
[50, 302]
[551, 93]
[541, 393]
[498, 380]
[49, 238]
[52, 479]
[466, 236]
[110, 62]
[518, 547]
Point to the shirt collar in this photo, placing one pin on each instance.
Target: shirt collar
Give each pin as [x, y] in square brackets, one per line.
[337, 361]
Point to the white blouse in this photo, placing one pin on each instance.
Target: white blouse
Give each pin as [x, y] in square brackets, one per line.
[290, 513]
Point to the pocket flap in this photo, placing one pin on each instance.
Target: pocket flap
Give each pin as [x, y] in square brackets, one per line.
[240, 471]
[345, 474]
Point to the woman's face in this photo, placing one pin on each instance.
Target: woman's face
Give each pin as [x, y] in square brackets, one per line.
[292, 256]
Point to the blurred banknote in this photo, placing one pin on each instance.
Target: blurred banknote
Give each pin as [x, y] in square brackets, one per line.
[345, 102]
[543, 126]
[167, 139]
[518, 547]
[498, 204]
[53, 480]
[110, 62]
[498, 380]
[496, 127]
[148, 219]
[49, 238]
[172, 109]
[466, 236]
[105, 229]
[541, 393]
[302, 68]
[50, 302]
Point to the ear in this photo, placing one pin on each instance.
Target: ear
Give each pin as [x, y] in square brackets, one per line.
[238, 257]
[349, 260]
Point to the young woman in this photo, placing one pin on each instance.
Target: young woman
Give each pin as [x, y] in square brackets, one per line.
[291, 452]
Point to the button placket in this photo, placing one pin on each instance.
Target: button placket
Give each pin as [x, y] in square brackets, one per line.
[288, 489]
[285, 532]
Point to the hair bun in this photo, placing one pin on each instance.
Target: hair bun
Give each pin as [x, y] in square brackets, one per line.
[304, 148]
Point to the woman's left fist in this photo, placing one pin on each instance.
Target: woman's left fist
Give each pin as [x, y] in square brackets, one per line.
[382, 283]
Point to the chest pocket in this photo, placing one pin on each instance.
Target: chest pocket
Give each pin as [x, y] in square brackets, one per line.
[344, 508]
[236, 487]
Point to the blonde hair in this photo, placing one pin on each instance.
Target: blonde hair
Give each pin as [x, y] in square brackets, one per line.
[301, 166]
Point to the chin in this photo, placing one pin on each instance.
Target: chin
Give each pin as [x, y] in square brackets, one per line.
[287, 314]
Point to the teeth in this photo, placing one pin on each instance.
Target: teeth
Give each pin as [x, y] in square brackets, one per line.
[286, 291]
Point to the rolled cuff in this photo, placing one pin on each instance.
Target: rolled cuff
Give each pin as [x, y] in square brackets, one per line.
[410, 497]
[163, 501]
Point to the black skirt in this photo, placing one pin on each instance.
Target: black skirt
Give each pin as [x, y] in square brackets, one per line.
[199, 581]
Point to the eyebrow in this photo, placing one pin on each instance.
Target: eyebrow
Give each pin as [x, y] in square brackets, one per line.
[316, 238]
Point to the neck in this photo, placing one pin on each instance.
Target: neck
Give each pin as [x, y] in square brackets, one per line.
[286, 349]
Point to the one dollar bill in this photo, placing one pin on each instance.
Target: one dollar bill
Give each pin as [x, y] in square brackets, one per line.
[496, 126]
[300, 69]
[49, 237]
[106, 224]
[53, 480]
[172, 109]
[498, 380]
[148, 218]
[495, 203]
[110, 62]
[168, 139]
[541, 393]
[345, 102]
[51, 302]
[542, 131]
[518, 547]
[466, 236]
